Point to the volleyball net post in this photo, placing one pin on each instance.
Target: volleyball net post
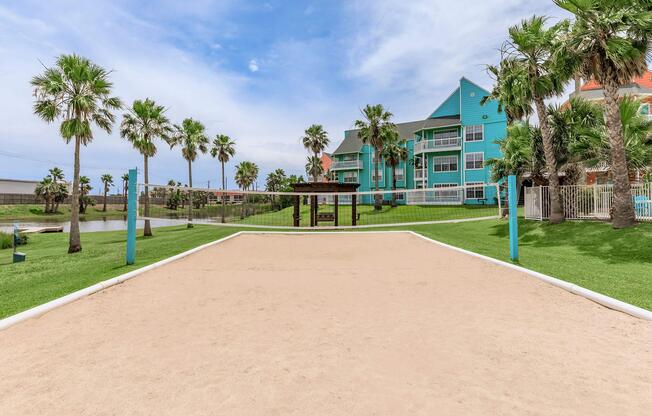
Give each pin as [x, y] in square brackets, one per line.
[132, 213]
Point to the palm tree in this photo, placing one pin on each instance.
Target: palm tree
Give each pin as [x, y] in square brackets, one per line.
[511, 89]
[610, 39]
[46, 189]
[246, 174]
[223, 149]
[314, 167]
[191, 137]
[371, 131]
[125, 190]
[84, 188]
[78, 92]
[531, 49]
[394, 152]
[61, 188]
[315, 139]
[107, 181]
[145, 122]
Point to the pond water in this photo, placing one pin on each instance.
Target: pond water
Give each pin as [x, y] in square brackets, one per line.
[111, 224]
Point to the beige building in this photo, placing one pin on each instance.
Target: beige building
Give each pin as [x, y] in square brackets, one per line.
[17, 186]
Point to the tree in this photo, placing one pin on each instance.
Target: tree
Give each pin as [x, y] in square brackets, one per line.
[84, 188]
[125, 191]
[246, 174]
[610, 40]
[315, 139]
[61, 192]
[314, 167]
[371, 131]
[107, 181]
[191, 137]
[77, 92]
[530, 52]
[145, 122]
[394, 152]
[46, 190]
[223, 149]
[511, 89]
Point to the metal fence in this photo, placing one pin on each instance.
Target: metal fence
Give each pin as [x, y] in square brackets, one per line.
[17, 199]
[586, 202]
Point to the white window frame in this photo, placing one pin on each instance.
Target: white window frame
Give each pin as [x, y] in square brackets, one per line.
[373, 175]
[446, 134]
[400, 196]
[400, 177]
[474, 185]
[466, 162]
[473, 133]
[350, 174]
[448, 157]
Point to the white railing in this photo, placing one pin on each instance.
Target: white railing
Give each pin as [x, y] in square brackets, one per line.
[581, 202]
[441, 196]
[420, 173]
[346, 164]
[438, 145]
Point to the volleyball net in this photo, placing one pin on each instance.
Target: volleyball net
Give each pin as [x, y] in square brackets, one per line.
[320, 210]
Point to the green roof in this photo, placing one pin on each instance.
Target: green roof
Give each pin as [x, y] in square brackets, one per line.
[352, 143]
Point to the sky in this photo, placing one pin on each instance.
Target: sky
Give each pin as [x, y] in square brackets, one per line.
[258, 71]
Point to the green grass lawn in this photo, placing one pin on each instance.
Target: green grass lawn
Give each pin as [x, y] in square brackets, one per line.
[616, 263]
[30, 212]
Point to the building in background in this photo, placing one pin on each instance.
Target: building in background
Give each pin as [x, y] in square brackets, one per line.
[447, 149]
[639, 87]
[326, 162]
[17, 186]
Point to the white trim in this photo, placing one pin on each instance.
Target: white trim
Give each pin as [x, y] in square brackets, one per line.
[474, 141]
[601, 299]
[474, 184]
[434, 163]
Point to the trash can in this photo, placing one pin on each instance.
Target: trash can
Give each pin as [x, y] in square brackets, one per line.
[19, 257]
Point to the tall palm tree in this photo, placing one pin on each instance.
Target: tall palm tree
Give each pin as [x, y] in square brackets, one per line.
[531, 47]
[394, 152]
[145, 122]
[191, 137]
[511, 89]
[611, 41]
[315, 139]
[77, 92]
[246, 174]
[125, 191]
[314, 167]
[107, 181]
[223, 149]
[371, 131]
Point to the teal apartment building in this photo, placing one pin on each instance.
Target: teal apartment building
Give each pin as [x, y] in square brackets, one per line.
[447, 149]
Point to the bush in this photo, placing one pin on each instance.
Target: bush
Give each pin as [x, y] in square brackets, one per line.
[6, 240]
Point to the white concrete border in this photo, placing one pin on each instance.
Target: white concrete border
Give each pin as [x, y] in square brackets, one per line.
[603, 300]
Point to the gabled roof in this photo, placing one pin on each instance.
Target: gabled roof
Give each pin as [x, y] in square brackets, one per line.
[644, 81]
[352, 143]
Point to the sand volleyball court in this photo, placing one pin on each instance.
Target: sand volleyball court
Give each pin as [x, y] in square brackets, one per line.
[350, 324]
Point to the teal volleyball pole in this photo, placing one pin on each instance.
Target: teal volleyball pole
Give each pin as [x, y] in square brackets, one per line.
[513, 217]
[132, 206]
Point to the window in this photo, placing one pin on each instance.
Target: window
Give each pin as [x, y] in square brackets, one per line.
[400, 175]
[644, 109]
[445, 163]
[442, 194]
[475, 192]
[474, 160]
[350, 177]
[448, 134]
[380, 175]
[346, 158]
[474, 133]
[400, 196]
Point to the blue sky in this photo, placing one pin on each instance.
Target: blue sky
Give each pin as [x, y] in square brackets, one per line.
[259, 71]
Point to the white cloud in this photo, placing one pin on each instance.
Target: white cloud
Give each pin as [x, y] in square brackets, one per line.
[253, 65]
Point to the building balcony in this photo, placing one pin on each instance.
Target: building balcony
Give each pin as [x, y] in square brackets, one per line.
[438, 145]
[420, 173]
[346, 165]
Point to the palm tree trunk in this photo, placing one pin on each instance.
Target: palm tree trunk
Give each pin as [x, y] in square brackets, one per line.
[190, 194]
[147, 232]
[394, 186]
[623, 209]
[106, 188]
[74, 243]
[125, 185]
[556, 212]
[378, 205]
[223, 196]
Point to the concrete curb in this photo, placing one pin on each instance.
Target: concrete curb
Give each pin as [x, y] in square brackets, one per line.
[64, 300]
[601, 299]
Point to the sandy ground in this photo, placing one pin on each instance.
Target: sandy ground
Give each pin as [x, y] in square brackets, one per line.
[372, 324]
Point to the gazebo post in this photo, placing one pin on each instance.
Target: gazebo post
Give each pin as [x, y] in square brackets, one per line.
[297, 207]
[312, 211]
[336, 205]
[354, 214]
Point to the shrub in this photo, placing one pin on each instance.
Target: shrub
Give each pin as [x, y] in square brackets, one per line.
[6, 240]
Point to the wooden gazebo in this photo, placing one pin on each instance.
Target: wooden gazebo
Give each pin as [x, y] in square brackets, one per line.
[313, 189]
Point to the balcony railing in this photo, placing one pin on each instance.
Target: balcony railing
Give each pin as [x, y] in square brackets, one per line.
[346, 165]
[420, 173]
[438, 145]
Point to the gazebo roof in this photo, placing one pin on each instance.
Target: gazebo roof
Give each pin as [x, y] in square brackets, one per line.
[317, 187]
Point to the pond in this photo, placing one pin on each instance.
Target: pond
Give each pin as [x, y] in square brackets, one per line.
[109, 224]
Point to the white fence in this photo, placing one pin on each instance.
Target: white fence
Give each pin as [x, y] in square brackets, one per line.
[581, 202]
